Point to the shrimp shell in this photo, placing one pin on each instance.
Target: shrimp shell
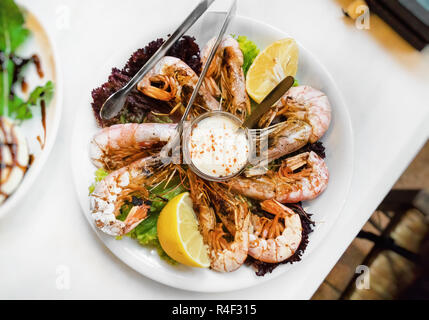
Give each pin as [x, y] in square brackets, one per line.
[302, 186]
[307, 104]
[235, 216]
[283, 246]
[227, 67]
[119, 145]
[224, 256]
[290, 136]
[233, 257]
[306, 187]
[177, 79]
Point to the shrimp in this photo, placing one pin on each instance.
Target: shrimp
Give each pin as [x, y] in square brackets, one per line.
[288, 137]
[282, 139]
[274, 240]
[286, 185]
[121, 186]
[226, 255]
[277, 141]
[308, 115]
[173, 80]
[119, 145]
[307, 104]
[227, 67]
[235, 216]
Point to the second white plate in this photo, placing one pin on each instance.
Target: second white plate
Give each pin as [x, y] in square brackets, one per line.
[41, 44]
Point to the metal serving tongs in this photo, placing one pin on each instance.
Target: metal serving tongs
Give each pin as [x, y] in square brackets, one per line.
[174, 143]
[113, 105]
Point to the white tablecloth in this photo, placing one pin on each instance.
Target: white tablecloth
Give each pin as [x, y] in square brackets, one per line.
[385, 84]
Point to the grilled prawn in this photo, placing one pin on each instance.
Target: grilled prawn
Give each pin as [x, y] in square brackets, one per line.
[227, 68]
[227, 252]
[173, 80]
[274, 239]
[117, 188]
[287, 185]
[119, 145]
[306, 104]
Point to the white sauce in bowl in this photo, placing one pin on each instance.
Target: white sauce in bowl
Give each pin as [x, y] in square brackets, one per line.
[217, 147]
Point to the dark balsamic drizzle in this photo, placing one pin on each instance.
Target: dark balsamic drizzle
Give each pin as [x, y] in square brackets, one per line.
[30, 160]
[40, 72]
[24, 86]
[13, 150]
[38, 65]
[40, 141]
[43, 107]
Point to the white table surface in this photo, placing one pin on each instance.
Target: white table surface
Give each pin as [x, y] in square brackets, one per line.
[385, 84]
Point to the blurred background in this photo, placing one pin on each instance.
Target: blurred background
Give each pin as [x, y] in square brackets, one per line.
[394, 244]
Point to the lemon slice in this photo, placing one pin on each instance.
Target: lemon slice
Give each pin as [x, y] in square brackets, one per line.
[270, 67]
[179, 235]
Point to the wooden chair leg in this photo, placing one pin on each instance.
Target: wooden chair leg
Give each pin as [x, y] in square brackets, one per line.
[387, 243]
[394, 206]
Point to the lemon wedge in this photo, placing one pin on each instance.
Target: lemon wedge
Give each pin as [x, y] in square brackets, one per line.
[270, 67]
[179, 235]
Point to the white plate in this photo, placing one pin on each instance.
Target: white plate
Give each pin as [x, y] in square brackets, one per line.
[39, 43]
[338, 141]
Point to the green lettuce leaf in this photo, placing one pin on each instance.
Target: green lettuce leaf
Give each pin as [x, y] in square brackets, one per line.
[22, 110]
[125, 210]
[146, 232]
[12, 30]
[250, 51]
[12, 35]
[162, 193]
[100, 174]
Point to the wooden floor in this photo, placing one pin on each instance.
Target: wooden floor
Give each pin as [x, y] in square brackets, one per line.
[389, 272]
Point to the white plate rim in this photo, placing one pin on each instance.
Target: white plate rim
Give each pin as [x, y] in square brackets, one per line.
[127, 258]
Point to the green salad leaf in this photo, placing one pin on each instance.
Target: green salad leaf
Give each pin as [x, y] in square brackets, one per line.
[12, 30]
[21, 110]
[125, 210]
[250, 51]
[12, 35]
[146, 232]
[162, 193]
[100, 174]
